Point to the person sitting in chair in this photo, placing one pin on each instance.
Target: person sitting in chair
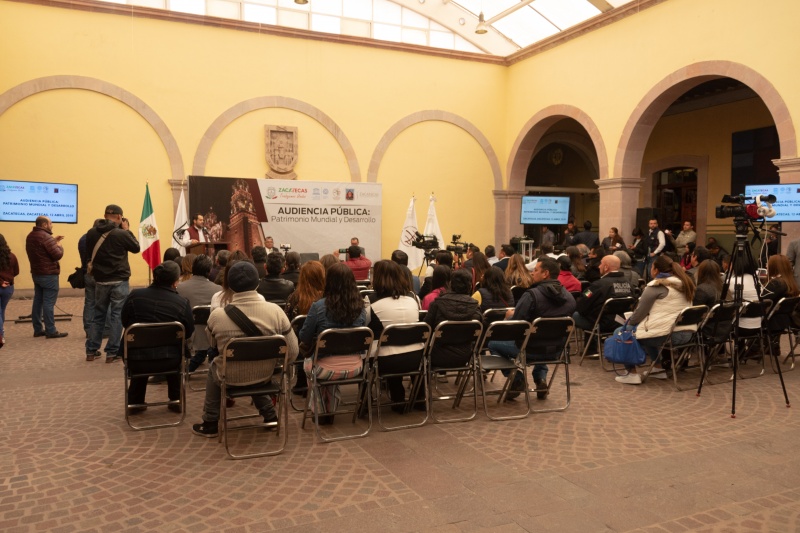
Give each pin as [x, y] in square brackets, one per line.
[273, 287]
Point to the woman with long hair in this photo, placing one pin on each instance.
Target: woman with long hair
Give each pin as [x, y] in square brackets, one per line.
[671, 291]
[709, 284]
[495, 292]
[614, 241]
[309, 289]
[341, 306]
[439, 283]
[479, 267]
[578, 266]
[780, 284]
[186, 267]
[328, 260]
[224, 297]
[393, 305]
[9, 269]
[517, 274]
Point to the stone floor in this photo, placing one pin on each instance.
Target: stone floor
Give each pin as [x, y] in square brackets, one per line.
[621, 458]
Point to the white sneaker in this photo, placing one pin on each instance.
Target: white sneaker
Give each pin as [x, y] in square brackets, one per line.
[629, 379]
[657, 373]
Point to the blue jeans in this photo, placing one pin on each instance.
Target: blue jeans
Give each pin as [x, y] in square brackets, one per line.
[509, 350]
[108, 301]
[45, 294]
[652, 345]
[5, 296]
[88, 306]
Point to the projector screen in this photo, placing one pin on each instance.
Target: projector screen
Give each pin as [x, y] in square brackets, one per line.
[787, 208]
[23, 201]
[544, 210]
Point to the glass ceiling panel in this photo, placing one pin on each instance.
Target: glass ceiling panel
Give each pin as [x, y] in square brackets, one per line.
[565, 13]
[525, 27]
[358, 9]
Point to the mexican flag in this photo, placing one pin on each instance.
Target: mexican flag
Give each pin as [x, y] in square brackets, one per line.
[148, 233]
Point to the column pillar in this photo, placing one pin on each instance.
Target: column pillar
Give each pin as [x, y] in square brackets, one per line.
[506, 215]
[619, 199]
[789, 172]
[177, 186]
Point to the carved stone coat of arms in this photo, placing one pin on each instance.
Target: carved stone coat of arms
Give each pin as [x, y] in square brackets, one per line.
[281, 151]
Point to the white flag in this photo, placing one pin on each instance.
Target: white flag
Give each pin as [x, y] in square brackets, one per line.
[432, 224]
[407, 236]
[181, 222]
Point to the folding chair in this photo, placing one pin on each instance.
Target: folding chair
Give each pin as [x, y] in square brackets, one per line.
[333, 343]
[689, 317]
[515, 331]
[398, 336]
[490, 316]
[716, 337]
[748, 340]
[454, 332]
[612, 307]
[577, 339]
[200, 314]
[254, 350]
[782, 314]
[297, 366]
[517, 292]
[158, 335]
[422, 314]
[550, 338]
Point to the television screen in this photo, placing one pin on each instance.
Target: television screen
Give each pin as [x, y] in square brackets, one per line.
[23, 201]
[544, 210]
[787, 208]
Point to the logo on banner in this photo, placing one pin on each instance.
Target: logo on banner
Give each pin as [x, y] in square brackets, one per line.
[350, 194]
[409, 235]
[325, 193]
[336, 194]
[281, 151]
[315, 193]
[271, 194]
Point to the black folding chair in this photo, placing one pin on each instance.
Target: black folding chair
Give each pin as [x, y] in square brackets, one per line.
[141, 336]
[612, 307]
[517, 292]
[273, 352]
[466, 333]
[297, 367]
[393, 337]
[688, 319]
[750, 340]
[515, 331]
[200, 314]
[336, 343]
[778, 322]
[490, 316]
[550, 339]
[716, 338]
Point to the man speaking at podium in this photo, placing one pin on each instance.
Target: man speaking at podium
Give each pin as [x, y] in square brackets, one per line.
[195, 237]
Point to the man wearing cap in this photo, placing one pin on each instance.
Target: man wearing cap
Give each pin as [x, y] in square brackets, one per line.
[242, 278]
[159, 302]
[108, 244]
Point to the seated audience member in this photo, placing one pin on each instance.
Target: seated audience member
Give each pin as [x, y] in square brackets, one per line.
[354, 242]
[670, 292]
[273, 287]
[686, 258]
[242, 278]
[566, 278]
[709, 284]
[546, 298]
[780, 284]
[393, 305]
[613, 242]
[442, 258]
[170, 254]
[586, 237]
[612, 284]
[259, 256]
[159, 302]
[308, 290]
[489, 252]
[359, 264]
[328, 260]
[401, 258]
[471, 249]
[340, 307]
[517, 274]
[506, 251]
[596, 255]
[743, 274]
[724, 262]
[638, 250]
[220, 261]
[494, 292]
[686, 236]
[439, 283]
[577, 264]
[716, 251]
[480, 265]
[224, 296]
[291, 270]
[186, 266]
[699, 255]
[198, 290]
[625, 267]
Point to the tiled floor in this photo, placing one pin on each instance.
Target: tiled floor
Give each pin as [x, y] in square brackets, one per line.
[621, 458]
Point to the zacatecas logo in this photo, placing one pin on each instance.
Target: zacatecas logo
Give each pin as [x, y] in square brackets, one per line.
[271, 193]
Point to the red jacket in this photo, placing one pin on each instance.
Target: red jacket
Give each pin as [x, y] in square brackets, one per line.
[43, 252]
[570, 282]
[360, 267]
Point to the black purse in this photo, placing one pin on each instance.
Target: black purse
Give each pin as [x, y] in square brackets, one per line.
[76, 280]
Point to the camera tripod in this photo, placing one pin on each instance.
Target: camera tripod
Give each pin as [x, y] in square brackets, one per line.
[741, 256]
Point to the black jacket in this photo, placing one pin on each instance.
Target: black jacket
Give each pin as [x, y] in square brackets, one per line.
[275, 288]
[546, 299]
[612, 285]
[452, 306]
[111, 261]
[157, 304]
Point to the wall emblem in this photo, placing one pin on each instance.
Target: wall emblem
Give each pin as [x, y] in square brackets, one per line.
[281, 151]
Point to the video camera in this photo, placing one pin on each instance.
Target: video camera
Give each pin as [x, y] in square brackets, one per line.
[458, 247]
[425, 242]
[760, 208]
[285, 247]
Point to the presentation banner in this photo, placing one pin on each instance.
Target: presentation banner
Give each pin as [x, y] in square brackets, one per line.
[311, 216]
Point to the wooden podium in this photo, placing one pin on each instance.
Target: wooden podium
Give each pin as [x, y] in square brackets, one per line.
[209, 248]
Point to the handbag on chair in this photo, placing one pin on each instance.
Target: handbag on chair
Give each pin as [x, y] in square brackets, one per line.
[623, 348]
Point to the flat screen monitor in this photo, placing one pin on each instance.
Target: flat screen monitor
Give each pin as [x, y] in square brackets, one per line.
[787, 208]
[550, 210]
[23, 201]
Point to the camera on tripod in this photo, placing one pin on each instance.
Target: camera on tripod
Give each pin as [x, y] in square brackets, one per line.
[458, 247]
[425, 242]
[285, 247]
[760, 208]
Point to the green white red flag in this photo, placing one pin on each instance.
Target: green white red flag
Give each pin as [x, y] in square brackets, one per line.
[148, 233]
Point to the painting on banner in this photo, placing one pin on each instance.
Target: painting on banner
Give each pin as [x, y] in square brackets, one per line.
[310, 216]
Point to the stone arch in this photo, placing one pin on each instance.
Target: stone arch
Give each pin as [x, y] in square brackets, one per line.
[637, 131]
[533, 132]
[50, 83]
[433, 115]
[266, 102]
